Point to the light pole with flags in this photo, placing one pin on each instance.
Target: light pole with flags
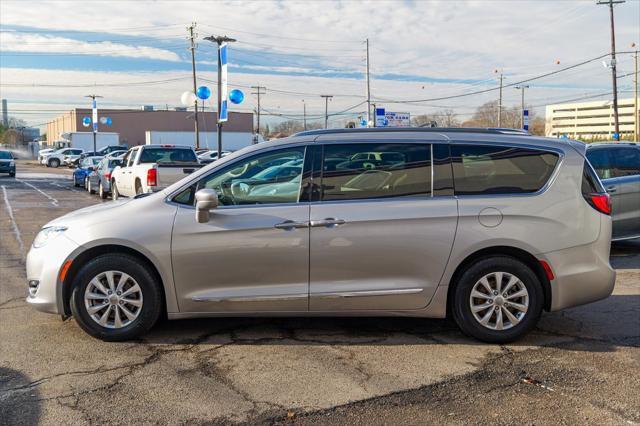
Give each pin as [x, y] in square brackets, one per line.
[94, 118]
[223, 112]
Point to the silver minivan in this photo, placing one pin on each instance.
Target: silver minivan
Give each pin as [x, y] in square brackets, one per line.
[489, 227]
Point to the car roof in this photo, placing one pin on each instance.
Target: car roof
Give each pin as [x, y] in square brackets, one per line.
[610, 144]
[428, 134]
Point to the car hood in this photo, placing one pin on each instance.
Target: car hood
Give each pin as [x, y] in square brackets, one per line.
[3, 160]
[80, 220]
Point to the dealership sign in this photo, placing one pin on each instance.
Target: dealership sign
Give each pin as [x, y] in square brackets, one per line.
[392, 119]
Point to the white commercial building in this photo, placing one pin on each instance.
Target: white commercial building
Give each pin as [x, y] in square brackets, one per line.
[590, 120]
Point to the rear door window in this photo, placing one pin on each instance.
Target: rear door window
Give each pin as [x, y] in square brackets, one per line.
[601, 162]
[381, 170]
[625, 161]
[488, 169]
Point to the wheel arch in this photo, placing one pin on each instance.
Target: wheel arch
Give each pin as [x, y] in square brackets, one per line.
[80, 259]
[517, 253]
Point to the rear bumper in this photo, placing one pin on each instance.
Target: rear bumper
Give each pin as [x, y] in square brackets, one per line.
[582, 274]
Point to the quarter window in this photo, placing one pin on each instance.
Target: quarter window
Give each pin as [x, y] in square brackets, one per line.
[484, 169]
[360, 171]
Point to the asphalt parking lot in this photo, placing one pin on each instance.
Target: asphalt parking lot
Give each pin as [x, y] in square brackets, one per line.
[579, 366]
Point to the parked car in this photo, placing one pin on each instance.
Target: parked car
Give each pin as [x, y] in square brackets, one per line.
[490, 228]
[107, 150]
[207, 157]
[42, 152]
[7, 163]
[150, 168]
[100, 178]
[83, 170]
[618, 166]
[116, 154]
[56, 158]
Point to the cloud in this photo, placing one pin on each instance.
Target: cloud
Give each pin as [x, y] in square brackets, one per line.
[35, 43]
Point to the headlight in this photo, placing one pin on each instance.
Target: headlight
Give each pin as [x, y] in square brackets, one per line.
[47, 234]
[12, 163]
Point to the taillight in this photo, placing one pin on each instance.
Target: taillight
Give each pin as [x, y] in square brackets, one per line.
[600, 202]
[152, 177]
[107, 175]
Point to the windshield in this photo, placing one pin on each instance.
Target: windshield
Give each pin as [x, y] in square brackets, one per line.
[5, 155]
[167, 156]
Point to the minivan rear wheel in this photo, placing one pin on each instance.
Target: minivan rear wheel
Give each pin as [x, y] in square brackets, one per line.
[497, 299]
[115, 297]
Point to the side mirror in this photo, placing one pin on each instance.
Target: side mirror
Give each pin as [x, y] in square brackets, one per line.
[206, 199]
[91, 168]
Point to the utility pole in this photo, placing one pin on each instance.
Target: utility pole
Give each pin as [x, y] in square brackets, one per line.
[259, 92]
[500, 100]
[94, 118]
[614, 77]
[304, 114]
[368, 88]
[521, 88]
[219, 40]
[636, 112]
[326, 109]
[192, 47]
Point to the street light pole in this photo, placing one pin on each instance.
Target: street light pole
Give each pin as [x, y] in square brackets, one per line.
[94, 119]
[521, 88]
[219, 40]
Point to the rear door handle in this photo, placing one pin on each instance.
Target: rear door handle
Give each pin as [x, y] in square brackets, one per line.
[288, 225]
[612, 189]
[328, 222]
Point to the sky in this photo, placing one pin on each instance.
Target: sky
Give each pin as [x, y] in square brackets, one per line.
[424, 55]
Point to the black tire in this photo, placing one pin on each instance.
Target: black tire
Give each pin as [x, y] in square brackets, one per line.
[75, 181]
[151, 294]
[54, 162]
[101, 193]
[91, 190]
[462, 310]
[138, 188]
[12, 175]
[114, 191]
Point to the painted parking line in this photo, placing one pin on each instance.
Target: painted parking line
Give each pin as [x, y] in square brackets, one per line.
[53, 201]
[14, 225]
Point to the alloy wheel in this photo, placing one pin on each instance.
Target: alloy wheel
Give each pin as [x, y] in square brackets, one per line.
[113, 299]
[499, 300]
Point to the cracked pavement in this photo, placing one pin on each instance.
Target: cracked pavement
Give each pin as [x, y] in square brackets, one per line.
[313, 370]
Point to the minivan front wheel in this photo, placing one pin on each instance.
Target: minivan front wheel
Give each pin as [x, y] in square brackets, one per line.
[497, 300]
[115, 297]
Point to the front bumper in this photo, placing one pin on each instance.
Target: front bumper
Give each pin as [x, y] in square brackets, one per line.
[7, 169]
[43, 266]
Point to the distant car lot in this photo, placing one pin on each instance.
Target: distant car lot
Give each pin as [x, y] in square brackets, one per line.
[320, 367]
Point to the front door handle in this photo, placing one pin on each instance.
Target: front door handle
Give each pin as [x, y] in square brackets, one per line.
[328, 222]
[612, 189]
[288, 225]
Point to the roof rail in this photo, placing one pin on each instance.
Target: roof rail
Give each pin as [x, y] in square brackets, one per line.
[490, 130]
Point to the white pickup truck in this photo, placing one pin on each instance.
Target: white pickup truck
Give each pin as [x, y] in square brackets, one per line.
[150, 168]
